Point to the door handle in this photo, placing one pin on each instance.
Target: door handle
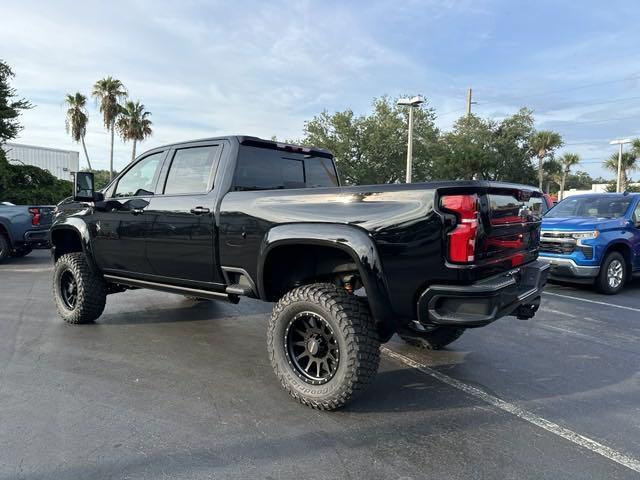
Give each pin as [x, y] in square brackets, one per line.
[137, 211]
[199, 210]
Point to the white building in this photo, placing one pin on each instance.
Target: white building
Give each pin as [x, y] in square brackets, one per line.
[595, 188]
[59, 163]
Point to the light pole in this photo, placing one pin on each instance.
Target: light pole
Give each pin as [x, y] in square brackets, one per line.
[619, 143]
[411, 103]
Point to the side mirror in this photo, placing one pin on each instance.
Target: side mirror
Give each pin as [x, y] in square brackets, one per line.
[83, 187]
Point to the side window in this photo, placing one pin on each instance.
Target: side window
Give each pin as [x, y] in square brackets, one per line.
[139, 180]
[191, 170]
[320, 172]
[636, 214]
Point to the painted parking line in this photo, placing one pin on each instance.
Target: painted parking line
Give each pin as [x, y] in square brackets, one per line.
[574, 437]
[23, 270]
[597, 302]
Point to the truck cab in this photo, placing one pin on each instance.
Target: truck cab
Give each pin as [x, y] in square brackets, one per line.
[593, 239]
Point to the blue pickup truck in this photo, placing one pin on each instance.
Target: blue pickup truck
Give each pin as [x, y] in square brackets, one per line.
[23, 227]
[593, 238]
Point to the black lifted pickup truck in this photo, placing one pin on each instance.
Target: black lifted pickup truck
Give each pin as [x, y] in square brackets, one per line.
[347, 267]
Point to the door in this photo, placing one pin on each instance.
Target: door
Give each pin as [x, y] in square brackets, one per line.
[635, 240]
[182, 239]
[121, 223]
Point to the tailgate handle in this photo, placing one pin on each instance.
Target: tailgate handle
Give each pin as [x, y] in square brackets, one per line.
[199, 210]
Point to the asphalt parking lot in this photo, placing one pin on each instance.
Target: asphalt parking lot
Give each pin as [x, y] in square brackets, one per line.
[161, 387]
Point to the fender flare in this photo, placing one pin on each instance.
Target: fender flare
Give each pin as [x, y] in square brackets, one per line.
[354, 241]
[79, 227]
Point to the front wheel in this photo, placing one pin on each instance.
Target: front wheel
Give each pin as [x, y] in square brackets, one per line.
[80, 293]
[323, 345]
[613, 274]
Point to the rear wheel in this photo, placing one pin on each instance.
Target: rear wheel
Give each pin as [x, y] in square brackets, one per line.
[323, 345]
[435, 339]
[613, 274]
[80, 294]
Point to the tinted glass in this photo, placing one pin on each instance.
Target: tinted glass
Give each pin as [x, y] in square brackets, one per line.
[267, 169]
[603, 206]
[191, 170]
[139, 180]
[508, 209]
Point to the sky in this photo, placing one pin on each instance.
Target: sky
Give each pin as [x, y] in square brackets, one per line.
[207, 68]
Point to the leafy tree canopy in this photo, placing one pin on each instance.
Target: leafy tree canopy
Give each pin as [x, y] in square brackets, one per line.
[26, 184]
[10, 106]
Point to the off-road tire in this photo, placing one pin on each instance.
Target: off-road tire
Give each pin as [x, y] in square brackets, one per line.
[435, 339]
[602, 280]
[91, 289]
[5, 247]
[353, 329]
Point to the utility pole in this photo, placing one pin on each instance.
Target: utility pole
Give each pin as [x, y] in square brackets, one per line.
[620, 143]
[411, 103]
[469, 101]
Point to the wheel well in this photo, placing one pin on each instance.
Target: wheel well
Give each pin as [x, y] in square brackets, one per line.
[65, 241]
[623, 250]
[290, 266]
[3, 231]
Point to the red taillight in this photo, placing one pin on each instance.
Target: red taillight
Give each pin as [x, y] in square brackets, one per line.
[462, 239]
[35, 216]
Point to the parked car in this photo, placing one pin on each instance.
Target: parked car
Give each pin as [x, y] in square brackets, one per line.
[239, 216]
[23, 227]
[593, 238]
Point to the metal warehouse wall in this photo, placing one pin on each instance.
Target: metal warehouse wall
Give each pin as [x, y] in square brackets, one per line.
[59, 162]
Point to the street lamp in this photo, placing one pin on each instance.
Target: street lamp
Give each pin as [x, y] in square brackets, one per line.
[620, 143]
[411, 103]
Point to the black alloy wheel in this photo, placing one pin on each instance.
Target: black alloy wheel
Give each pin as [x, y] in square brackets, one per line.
[69, 289]
[312, 348]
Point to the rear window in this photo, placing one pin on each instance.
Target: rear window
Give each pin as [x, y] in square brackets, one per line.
[267, 169]
[508, 209]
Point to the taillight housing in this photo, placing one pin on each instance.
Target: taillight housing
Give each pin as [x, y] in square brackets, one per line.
[35, 216]
[461, 240]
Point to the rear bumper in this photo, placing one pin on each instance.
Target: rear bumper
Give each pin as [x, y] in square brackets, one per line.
[35, 238]
[516, 292]
[567, 267]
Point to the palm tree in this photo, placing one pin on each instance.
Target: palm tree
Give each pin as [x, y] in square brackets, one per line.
[134, 124]
[109, 92]
[77, 119]
[542, 145]
[629, 163]
[567, 161]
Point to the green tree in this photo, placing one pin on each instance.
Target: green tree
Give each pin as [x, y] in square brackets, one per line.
[11, 107]
[485, 149]
[628, 164]
[109, 92]
[134, 124]
[581, 180]
[567, 161]
[552, 174]
[77, 119]
[372, 148]
[26, 184]
[543, 144]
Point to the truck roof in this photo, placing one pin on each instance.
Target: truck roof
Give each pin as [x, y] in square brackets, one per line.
[259, 142]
